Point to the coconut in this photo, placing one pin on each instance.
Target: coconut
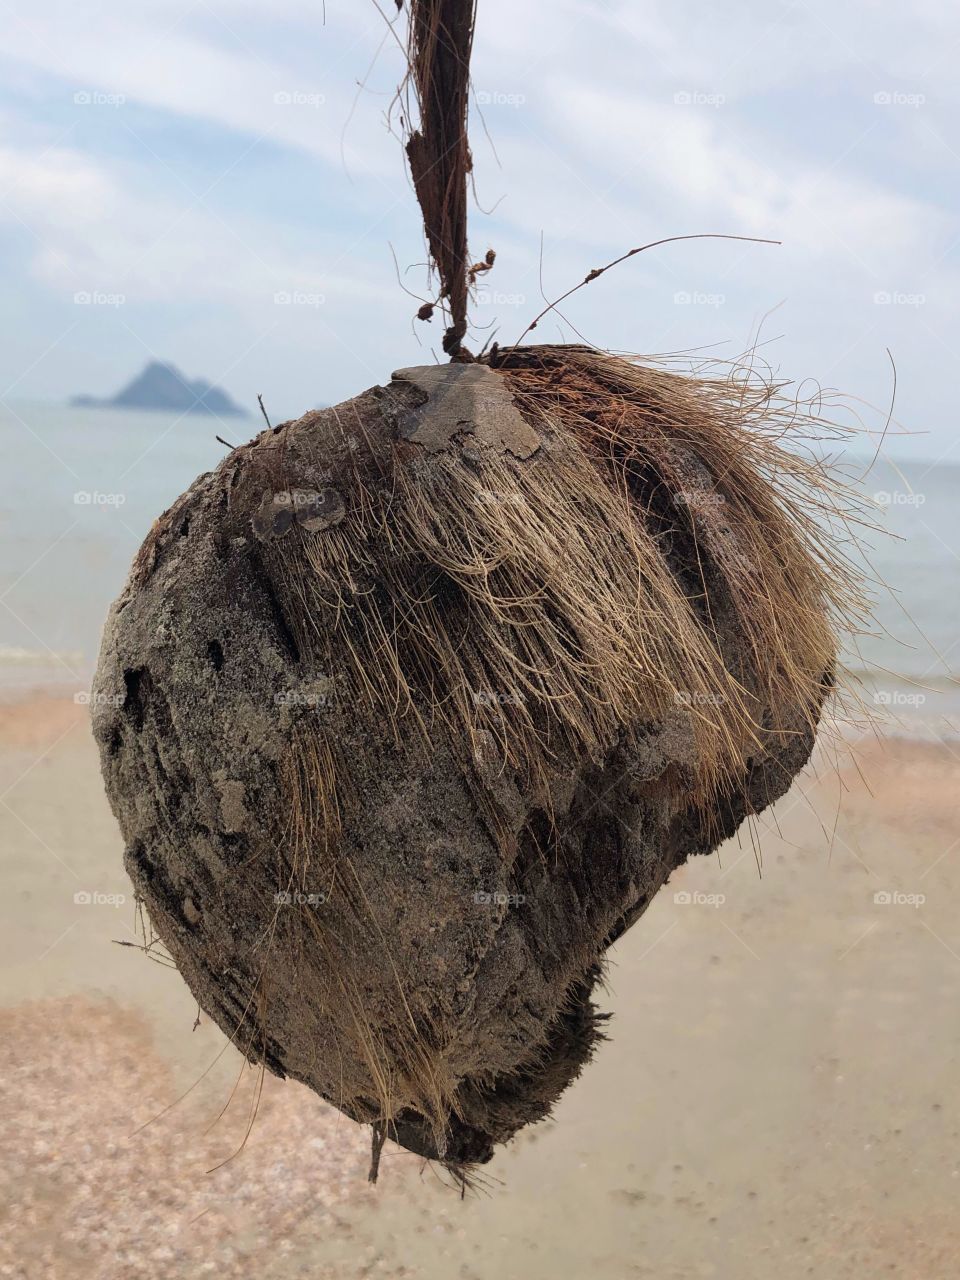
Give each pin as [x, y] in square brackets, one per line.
[410, 707]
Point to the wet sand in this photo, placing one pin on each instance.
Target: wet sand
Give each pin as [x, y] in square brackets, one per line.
[777, 1097]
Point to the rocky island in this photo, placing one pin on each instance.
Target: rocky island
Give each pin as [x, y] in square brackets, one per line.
[162, 387]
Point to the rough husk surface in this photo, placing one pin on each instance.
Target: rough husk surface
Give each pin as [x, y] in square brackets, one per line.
[410, 707]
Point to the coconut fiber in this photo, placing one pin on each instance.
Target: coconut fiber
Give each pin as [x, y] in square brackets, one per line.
[409, 708]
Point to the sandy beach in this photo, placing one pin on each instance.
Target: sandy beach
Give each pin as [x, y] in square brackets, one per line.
[777, 1095]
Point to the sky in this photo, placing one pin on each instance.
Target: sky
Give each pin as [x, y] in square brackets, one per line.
[216, 183]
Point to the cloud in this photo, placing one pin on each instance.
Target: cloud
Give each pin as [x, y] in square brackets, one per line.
[723, 172]
[85, 230]
[159, 56]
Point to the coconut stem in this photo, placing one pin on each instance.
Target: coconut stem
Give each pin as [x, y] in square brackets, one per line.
[440, 43]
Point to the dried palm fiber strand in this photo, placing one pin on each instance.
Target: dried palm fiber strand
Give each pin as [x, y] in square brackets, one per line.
[409, 708]
[440, 43]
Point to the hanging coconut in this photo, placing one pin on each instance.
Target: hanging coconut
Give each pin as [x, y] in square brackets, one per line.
[411, 706]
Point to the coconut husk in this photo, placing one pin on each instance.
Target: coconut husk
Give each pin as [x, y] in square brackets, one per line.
[411, 706]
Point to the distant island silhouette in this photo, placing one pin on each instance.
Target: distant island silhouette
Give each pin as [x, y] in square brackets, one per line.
[162, 387]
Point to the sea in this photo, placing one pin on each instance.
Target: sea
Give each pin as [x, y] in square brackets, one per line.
[81, 487]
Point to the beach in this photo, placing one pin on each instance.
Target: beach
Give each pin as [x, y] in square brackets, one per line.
[776, 1094]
